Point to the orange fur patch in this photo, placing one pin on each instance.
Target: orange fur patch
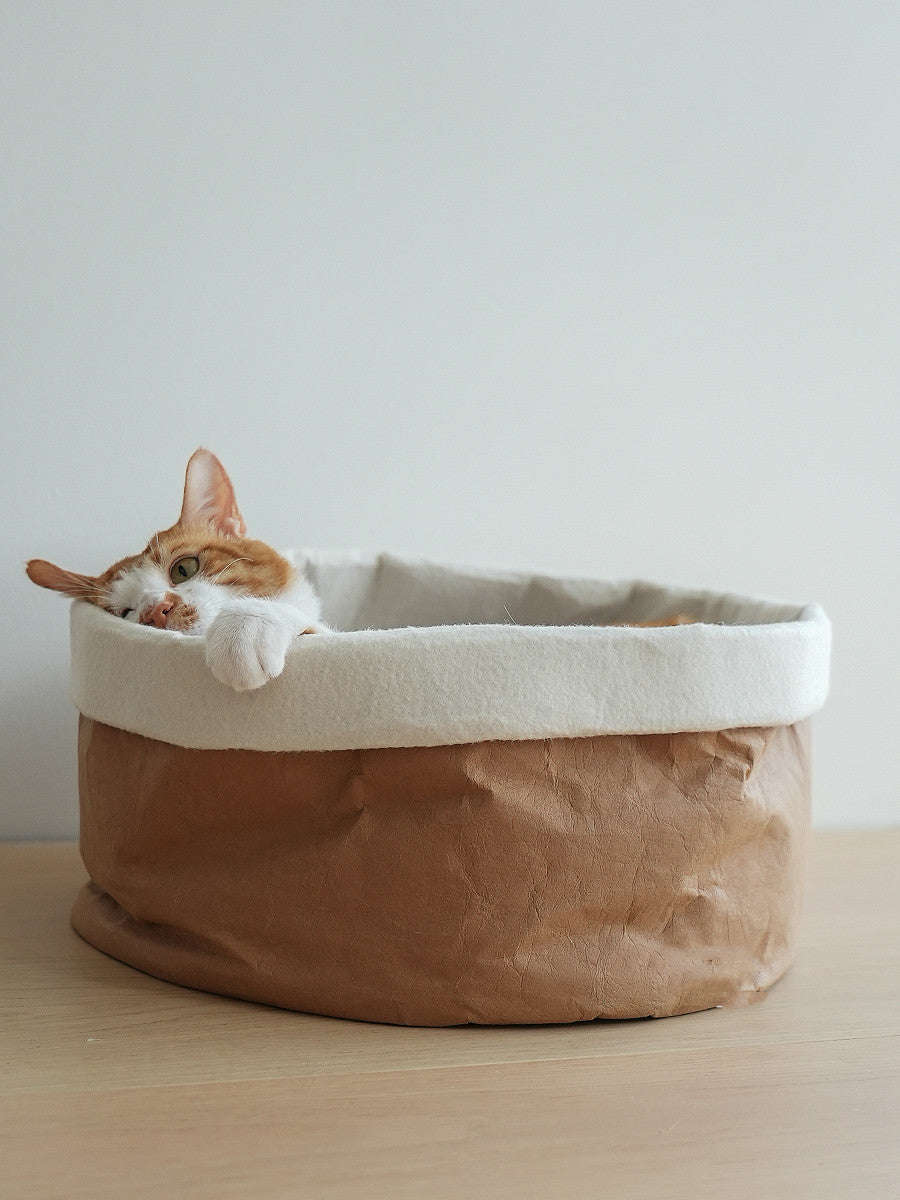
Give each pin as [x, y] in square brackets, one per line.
[210, 529]
[246, 564]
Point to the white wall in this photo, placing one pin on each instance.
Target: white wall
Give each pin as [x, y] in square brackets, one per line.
[606, 288]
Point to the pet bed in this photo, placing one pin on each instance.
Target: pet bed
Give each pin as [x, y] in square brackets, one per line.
[485, 800]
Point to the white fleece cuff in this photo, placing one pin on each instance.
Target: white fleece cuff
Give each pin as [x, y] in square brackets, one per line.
[434, 655]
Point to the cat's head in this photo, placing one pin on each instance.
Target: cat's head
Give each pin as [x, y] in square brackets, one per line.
[184, 575]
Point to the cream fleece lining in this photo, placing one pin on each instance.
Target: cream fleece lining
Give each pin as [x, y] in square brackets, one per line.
[433, 655]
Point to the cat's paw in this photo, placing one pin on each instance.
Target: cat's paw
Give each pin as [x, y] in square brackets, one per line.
[245, 650]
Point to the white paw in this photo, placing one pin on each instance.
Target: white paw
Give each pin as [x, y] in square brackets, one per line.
[244, 649]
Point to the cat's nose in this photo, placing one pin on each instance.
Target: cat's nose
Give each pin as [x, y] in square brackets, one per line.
[158, 615]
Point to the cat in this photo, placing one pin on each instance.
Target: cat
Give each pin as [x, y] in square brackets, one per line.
[203, 577]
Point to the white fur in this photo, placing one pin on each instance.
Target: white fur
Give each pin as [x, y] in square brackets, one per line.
[137, 588]
[248, 640]
[247, 637]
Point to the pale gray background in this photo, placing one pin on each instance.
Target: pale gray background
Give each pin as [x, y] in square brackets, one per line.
[595, 288]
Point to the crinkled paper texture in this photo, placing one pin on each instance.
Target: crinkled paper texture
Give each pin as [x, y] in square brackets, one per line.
[496, 882]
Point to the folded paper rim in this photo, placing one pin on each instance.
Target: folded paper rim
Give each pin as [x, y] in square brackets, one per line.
[560, 672]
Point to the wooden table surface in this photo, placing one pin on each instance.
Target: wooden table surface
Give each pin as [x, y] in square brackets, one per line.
[113, 1084]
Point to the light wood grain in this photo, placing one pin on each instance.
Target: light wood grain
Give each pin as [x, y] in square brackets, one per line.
[113, 1084]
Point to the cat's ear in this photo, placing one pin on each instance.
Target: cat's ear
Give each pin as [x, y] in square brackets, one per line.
[46, 575]
[209, 496]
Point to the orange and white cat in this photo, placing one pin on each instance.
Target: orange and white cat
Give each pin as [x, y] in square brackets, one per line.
[204, 577]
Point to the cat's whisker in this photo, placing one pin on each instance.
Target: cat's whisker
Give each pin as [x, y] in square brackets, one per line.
[234, 562]
[261, 607]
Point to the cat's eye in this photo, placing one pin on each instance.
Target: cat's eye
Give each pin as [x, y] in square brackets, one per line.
[185, 568]
[126, 612]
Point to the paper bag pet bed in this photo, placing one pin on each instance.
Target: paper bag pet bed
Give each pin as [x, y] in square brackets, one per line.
[487, 802]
